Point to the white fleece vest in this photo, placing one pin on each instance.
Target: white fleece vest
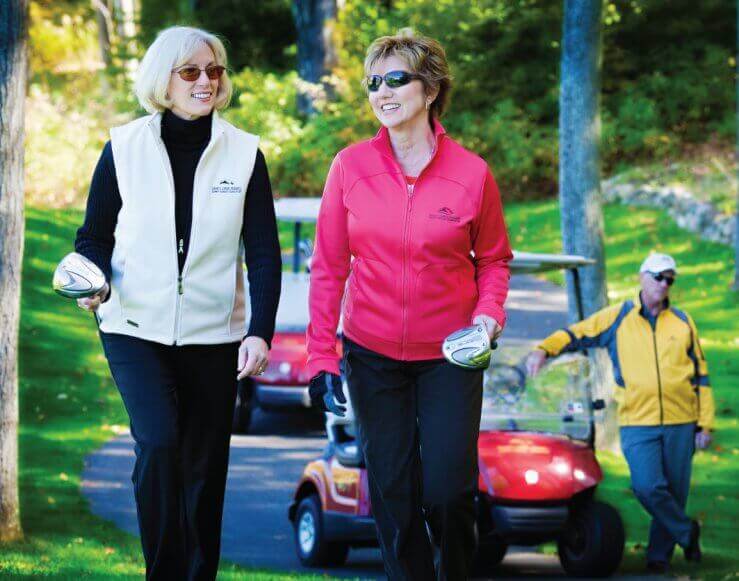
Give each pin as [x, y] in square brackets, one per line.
[148, 297]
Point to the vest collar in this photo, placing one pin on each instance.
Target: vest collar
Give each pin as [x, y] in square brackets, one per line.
[216, 128]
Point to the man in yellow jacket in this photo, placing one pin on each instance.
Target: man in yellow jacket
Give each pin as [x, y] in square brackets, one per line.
[665, 402]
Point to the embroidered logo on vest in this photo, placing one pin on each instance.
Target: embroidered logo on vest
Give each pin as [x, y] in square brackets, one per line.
[225, 187]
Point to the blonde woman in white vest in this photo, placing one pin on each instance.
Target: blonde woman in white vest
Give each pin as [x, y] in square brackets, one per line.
[179, 200]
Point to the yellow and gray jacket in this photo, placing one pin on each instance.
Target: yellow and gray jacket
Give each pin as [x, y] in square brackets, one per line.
[660, 369]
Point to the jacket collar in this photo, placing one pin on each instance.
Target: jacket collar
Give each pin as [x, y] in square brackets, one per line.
[381, 141]
[643, 309]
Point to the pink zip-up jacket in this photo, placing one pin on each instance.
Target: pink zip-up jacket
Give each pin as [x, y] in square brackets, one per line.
[421, 261]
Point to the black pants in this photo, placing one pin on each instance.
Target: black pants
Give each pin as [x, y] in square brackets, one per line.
[418, 425]
[180, 400]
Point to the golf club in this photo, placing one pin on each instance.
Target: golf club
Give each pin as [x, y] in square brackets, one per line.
[77, 277]
[469, 348]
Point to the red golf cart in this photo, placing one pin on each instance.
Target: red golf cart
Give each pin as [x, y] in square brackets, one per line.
[538, 470]
[284, 384]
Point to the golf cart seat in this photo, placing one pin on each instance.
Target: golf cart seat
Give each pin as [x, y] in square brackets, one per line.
[342, 436]
[346, 447]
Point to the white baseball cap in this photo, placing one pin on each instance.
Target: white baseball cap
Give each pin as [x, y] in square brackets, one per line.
[657, 263]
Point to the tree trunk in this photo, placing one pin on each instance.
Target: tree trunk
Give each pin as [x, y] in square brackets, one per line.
[105, 29]
[13, 63]
[316, 51]
[125, 19]
[579, 157]
[579, 179]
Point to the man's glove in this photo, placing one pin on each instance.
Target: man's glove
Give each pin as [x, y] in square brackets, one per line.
[325, 391]
[702, 439]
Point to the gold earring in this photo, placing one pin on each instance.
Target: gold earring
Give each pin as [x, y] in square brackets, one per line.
[428, 104]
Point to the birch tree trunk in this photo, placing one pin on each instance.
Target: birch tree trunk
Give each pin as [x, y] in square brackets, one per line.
[13, 63]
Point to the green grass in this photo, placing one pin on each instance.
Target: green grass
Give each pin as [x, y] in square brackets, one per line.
[68, 408]
[69, 405]
[704, 290]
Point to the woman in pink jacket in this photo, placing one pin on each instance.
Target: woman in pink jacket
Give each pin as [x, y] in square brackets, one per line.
[414, 222]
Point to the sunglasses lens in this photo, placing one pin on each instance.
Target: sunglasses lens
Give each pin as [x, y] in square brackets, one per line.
[660, 277]
[189, 73]
[396, 79]
[214, 72]
[374, 82]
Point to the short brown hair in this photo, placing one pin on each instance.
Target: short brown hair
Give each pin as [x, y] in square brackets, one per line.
[425, 57]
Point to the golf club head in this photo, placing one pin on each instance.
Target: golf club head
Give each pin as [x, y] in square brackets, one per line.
[77, 277]
[468, 348]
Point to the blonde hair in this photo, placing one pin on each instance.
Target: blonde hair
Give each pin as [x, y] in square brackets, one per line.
[425, 57]
[172, 48]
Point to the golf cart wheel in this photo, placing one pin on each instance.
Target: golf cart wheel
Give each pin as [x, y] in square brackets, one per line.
[244, 407]
[489, 555]
[311, 545]
[593, 541]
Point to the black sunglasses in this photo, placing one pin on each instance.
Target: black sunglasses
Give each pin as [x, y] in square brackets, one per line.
[659, 277]
[393, 79]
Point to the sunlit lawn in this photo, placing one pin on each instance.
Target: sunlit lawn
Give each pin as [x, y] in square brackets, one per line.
[704, 290]
[69, 406]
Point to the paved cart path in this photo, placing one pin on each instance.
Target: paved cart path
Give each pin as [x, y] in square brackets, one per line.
[266, 464]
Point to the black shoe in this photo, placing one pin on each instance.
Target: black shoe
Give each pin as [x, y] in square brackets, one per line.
[693, 550]
[657, 567]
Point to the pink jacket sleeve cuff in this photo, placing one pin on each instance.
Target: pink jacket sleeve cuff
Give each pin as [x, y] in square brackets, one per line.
[315, 366]
[495, 311]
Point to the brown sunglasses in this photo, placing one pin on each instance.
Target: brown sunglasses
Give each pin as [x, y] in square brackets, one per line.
[191, 73]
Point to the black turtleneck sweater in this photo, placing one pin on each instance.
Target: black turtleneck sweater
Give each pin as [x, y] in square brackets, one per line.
[185, 142]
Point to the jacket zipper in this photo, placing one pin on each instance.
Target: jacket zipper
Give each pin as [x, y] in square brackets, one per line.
[179, 244]
[193, 232]
[659, 377]
[406, 243]
[168, 171]
[406, 260]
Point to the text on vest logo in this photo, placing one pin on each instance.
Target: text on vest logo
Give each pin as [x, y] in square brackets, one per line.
[225, 187]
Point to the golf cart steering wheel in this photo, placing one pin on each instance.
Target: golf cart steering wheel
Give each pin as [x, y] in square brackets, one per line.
[508, 383]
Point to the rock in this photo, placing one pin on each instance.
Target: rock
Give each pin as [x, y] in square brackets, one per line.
[690, 214]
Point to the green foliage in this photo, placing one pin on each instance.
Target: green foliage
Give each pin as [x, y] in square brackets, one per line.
[668, 76]
[256, 34]
[298, 150]
[668, 83]
[59, 41]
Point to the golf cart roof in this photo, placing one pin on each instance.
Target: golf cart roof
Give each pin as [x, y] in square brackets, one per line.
[297, 209]
[530, 262]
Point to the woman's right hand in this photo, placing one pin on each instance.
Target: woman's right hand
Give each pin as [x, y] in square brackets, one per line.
[92, 303]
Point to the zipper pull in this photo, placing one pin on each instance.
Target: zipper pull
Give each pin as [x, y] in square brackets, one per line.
[181, 246]
[179, 285]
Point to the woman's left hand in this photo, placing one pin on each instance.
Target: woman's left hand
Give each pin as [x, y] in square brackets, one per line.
[253, 353]
[491, 326]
